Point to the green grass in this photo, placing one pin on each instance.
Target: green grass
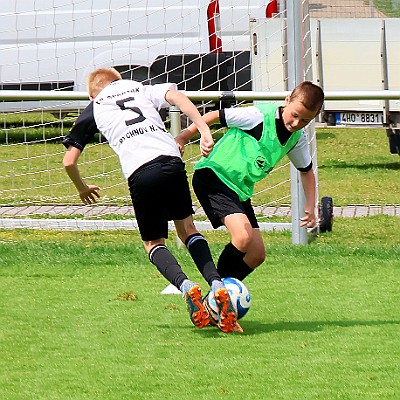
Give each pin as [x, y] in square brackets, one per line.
[356, 167]
[81, 317]
[387, 7]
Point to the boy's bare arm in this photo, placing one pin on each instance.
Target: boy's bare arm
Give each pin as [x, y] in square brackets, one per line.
[183, 138]
[87, 193]
[188, 108]
[308, 182]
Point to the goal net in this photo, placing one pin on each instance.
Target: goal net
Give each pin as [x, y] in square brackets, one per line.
[202, 45]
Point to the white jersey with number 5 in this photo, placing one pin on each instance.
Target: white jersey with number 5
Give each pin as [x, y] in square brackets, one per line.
[126, 113]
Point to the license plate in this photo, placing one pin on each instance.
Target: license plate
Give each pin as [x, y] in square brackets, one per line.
[359, 118]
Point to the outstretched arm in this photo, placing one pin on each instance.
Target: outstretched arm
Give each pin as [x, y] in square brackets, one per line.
[308, 182]
[188, 108]
[88, 193]
[183, 138]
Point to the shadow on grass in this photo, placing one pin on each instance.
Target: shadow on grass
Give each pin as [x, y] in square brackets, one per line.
[343, 165]
[256, 327]
[322, 135]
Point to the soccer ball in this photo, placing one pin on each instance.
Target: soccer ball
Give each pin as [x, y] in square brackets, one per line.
[240, 298]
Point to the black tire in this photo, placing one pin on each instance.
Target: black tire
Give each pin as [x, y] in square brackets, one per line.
[394, 140]
[326, 214]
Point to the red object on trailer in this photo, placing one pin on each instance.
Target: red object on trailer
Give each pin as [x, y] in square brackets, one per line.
[214, 27]
[272, 9]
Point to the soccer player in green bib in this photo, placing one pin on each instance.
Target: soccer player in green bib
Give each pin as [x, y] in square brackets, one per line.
[258, 137]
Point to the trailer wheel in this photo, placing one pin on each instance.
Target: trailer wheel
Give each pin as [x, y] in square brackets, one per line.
[394, 140]
[326, 214]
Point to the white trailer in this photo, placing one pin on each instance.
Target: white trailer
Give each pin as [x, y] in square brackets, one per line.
[347, 54]
[198, 44]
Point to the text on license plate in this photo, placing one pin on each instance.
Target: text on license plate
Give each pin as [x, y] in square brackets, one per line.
[359, 118]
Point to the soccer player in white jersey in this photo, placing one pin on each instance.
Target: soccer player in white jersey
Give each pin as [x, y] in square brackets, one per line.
[126, 113]
[258, 137]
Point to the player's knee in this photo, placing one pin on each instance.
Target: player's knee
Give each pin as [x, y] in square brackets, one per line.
[255, 257]
[259, 257]
[255, 261]
[243, 241]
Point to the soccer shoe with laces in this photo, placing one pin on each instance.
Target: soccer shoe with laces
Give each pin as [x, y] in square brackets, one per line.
[198, 314]
[227, 321]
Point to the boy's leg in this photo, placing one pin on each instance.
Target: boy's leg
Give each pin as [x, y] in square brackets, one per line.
[237, 264]
[166, 174]
[200, 252]
[223, 207]
[198, 248]
[231, 261]
[167, 264]
[255, 254]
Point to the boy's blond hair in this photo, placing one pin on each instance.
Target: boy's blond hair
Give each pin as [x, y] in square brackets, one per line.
[310, 95]
[98, 79]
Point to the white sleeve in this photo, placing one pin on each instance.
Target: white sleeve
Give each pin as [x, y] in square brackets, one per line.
[156, 93]
[300, 155]
[245, 118]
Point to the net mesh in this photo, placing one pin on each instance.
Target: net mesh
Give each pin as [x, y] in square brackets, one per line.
[53, 44]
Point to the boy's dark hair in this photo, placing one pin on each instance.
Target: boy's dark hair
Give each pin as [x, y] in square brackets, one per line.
[310, 95]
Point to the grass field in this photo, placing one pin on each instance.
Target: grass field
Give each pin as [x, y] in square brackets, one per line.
[82, 317]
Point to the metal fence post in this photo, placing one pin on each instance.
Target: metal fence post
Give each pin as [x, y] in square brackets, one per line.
[175, 120]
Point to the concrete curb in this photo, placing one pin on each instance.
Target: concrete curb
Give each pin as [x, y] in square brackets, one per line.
[26, 217]
[97, 210]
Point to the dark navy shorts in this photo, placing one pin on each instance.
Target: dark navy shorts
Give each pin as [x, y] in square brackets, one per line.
[218, 200]
[160, 193]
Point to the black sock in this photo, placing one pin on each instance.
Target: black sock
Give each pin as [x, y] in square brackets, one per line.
[228, 259]
[200, 252]
[167, 264]
[242, 270]
[231, 263]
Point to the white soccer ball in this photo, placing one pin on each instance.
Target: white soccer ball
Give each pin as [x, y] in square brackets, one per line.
[240, 298]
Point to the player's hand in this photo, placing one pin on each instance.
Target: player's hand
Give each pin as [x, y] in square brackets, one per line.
[206, 144]
[181, 145]
[89, 194]
[308, 220]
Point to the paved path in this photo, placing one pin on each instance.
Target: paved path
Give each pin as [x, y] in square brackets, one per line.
[90, 217]
[100, 210]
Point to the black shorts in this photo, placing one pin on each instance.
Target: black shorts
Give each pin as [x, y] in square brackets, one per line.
[160, 193]
[218, 200]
